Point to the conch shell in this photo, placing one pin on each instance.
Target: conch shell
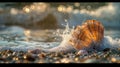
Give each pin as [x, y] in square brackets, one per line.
[91, 32]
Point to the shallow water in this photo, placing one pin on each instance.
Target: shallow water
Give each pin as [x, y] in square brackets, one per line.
[19, 38]
[50, 22]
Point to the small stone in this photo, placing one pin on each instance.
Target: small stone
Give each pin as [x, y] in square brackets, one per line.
[42, 55]
[106, 49]
[24, 56]
[99, 53]
[113, 59]
[76, 59]
[57, 61]
[16, 59]
[55, 58]
[50, 60]
[13, 53]
[36, 51]
[8, 55]
[104, 56]
[95, 54]
[82, 52]
[30, 58]
[92, 60]
[65, 60]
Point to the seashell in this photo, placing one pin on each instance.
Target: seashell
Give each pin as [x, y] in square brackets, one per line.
[91, 32]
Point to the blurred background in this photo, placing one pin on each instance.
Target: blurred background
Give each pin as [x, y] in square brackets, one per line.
[53, 15]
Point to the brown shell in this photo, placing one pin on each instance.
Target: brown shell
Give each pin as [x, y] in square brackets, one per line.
[91, 31]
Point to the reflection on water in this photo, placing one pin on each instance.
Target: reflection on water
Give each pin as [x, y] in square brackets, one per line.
[42, 35]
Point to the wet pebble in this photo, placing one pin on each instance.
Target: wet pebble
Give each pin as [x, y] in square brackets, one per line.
[29, 57]
[92, 60]
[106, 49]
[65, 60]
[9, 56]
[41, 55]
[76, 59]
[113, 59]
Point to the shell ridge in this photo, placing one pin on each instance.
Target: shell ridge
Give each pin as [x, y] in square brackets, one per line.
[89, 34]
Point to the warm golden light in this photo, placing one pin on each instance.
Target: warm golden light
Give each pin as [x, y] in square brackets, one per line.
[61, 8]
[69, 9]
[26, 9]
[27, 34]
[91, 31]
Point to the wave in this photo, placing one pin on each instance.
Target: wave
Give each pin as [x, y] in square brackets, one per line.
[108, 15]
[38, 13]
[108, 42]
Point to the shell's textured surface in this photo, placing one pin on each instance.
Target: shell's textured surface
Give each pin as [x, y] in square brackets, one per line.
[91, 32]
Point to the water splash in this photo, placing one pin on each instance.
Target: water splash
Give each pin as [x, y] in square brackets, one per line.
[64, 44]
[107, 42]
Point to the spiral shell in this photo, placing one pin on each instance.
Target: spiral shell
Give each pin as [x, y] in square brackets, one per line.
[91, 32]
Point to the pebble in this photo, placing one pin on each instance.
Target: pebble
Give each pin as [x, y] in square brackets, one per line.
[9, 56]
[57, 61]
[77, 59]
[41, 55]
[24, 56]
[113, 59]
[106, 50]
[92, 60]
[65, 60]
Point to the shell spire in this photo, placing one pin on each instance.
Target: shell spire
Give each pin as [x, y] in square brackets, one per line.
[91, 32]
